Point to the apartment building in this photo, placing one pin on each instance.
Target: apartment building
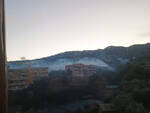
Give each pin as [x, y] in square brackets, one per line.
[80, 73]
[22, 78]
[17, 79]
[81, 70]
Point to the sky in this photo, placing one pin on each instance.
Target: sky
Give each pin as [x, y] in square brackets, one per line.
[40, 28]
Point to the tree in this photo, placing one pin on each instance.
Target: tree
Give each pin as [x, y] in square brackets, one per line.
[134, 108]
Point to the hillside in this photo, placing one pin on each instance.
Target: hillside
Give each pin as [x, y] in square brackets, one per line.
[109, 58]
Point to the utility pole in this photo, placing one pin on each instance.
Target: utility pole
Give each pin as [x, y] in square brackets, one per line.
[3, 68]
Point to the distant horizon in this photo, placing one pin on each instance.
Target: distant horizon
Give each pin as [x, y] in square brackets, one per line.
[37, 28]
[78, 50]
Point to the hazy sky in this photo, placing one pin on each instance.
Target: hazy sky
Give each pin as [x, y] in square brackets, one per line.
[39, 28]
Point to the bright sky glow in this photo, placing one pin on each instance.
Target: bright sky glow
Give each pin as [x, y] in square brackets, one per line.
[40, 28]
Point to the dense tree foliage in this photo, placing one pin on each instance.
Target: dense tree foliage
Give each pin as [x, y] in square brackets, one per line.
[135, 88]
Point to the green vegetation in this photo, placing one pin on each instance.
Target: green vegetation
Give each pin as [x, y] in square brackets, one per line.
[135, 88]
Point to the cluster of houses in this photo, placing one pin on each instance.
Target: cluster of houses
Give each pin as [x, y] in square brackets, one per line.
[22, 78]
[80, 73]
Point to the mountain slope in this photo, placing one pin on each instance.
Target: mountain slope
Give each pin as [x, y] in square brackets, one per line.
[109, 58]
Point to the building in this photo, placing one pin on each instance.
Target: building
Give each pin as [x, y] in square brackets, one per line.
[81, 70]
[22, 78]
[37, 73]
[17, 79]
[80, 73]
